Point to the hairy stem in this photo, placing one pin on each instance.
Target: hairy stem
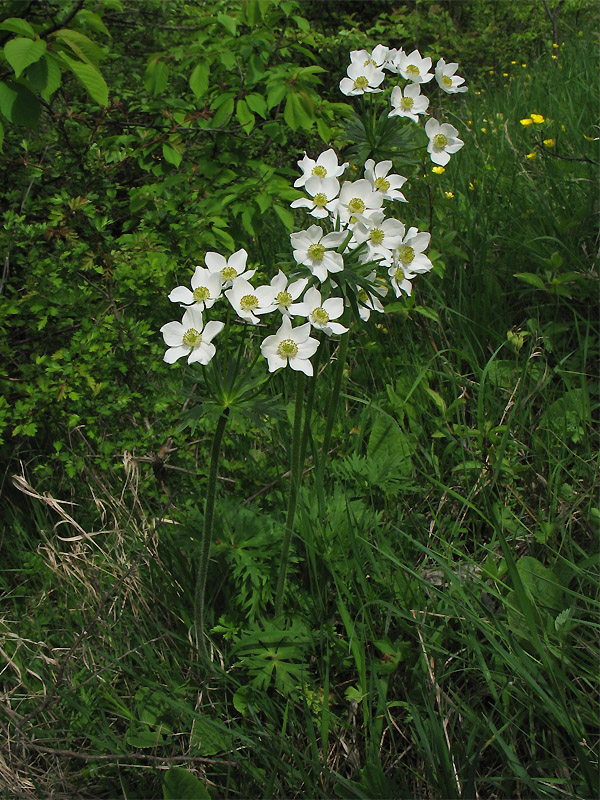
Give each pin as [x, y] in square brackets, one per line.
[295, 478]
[209, 513]
[333, 405]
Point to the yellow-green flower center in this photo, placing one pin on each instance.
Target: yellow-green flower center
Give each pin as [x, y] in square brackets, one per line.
[229, 273]
[287, 348]
[356, 206]
[412, 69]
[382, 184]
[192, 338]
[361, 82]
[320, 316]
[201, 293]
[320, 199]
[440, 140]
[284, 299]
[377, 235]
[319, 171]
[316, 251]
[447, 81]
[407, 103]
[406, 254]
[399, 274]
[249, 302]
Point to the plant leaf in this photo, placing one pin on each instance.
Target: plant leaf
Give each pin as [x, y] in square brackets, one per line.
[20, 53]
[179, 784]
[91, 79]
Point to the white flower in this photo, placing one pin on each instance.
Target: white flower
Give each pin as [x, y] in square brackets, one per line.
[249, 301]
[408, 103]
[326, 166]
[206, 290]
[361, 78]
[413, 67]
[291, 346]
[310, 248]
[400, 279]
[323, 192]
[190, 338]
[448, 81]
[376, 58]
[409, 253]
[357, 199]
[284, 294]
[381, 235]
[443, 140]
[230, 268]
[388, 185]
[391, 59]
[320, 314]
[368, 300]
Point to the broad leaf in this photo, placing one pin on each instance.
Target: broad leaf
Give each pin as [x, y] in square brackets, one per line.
[20, 53]
[45, 76]
[199, 79]
[18, 104]
[179, 784]
[17, 25]
[79, 43]
[91, 79]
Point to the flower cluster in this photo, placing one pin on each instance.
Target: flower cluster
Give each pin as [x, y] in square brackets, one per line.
[350, 255]
[367, 72]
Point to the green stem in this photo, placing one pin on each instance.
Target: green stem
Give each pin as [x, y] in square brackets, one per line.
[310, 399]
[333, 405]
[295, 478]
[209, 513]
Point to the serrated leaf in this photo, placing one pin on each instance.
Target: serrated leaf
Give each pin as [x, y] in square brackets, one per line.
[285, 215]
[92, 20]
[179, 784]
[21, 53]
[17, 25]
[199, 79]
[45, 76]
[324, 131]
[257, 103]
[227, 22]
[81, 45]
[426, 311]
[276, 94]
[18, 104]
[171, 155]
[244, 115]
[156, 76]
[531, 279]
[90, 78]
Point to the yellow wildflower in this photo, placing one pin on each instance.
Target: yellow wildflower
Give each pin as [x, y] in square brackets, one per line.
[554, 44]
[471, 186]
[438, 170]
[448, 195]
[537, 118]
[523, 65]
[513, 62]
[525, 122]
[505, 74]
[484, 130]
[531, 156]
[549, 142]
[554, 57]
